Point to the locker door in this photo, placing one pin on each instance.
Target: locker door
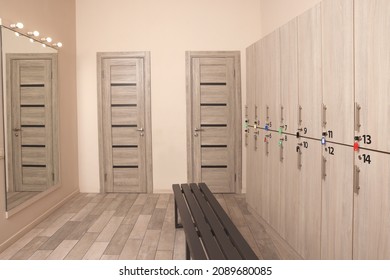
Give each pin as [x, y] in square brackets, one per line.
[372, 66]
[310, 72]
[338, 79]
[309, 166]
[270, 116]
[372, 206]
[289, 76]
[124, 124]
[289, 192]
[250, 135]
[337, 202]
[31, 124]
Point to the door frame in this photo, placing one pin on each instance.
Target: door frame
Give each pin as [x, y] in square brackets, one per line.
[148, 119]
[237, 109]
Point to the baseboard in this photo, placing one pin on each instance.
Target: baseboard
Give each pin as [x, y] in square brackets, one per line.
[35, 222]
[281, 245]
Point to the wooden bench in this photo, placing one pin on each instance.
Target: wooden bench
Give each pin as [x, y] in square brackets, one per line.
[209, 232]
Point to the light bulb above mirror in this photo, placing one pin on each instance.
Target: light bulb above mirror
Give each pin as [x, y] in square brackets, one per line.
[47, 39]
[58, 45]
[33, 33]
[17, 25]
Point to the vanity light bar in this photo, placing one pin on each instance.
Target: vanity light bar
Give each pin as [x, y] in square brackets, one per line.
[32, 35]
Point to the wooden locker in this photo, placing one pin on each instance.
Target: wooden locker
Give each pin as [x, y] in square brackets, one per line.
[289, 191]
[309, 225]
[338, 71]
[310, 72]
[337, 202]
[371, 206]
[372, 68]
[289, 76]
[250, 112]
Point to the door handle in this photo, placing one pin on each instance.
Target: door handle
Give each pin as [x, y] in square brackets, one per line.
[356, 179]
[17, 129]
[323, 168]
[198, 129]
[357, 117]
[324, 108]
[299, 115]
[140, 129]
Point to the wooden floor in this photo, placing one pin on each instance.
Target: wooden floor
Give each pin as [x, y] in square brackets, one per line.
[126, 226]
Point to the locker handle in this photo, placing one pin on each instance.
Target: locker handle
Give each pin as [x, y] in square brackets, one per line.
[255, 137]
[299, 161]
[323, 168]
[357, 179]
[299, 115]
[246, 111]
[267, 111]
[281, 114]
[246, 139]
[256, 112]
[281, 153]
[357, 117]
[266, 148]
[324, 108]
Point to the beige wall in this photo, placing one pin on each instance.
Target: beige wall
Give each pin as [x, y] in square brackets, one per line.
[57, 19]
[275, 13]
[167, 28]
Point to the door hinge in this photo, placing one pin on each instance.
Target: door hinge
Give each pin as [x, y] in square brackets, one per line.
[52, 176]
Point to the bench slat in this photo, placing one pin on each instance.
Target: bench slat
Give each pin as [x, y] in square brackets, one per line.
[223, 240]
[192, 238]
[210, 244]
[238, 240]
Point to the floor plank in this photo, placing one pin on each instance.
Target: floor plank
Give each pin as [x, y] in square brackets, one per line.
[81, 248]
[96, 251]
[149, 245]
[62, 250]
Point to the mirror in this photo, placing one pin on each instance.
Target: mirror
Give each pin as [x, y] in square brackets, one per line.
[29, 73]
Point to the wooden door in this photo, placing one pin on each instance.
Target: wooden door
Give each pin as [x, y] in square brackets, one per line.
[310, 72]
[309, 166]
[337, 202]
[124, 129]
[214, 129]
[30, 122]
[371, 235]
[338, 70]
[372, 68]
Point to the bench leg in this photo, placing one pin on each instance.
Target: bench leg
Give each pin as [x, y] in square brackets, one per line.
[177, 225]
[188, 256]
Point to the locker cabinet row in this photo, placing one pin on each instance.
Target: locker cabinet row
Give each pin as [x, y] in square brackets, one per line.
[322, 76]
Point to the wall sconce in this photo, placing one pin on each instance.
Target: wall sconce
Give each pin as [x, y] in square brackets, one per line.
[17, 25]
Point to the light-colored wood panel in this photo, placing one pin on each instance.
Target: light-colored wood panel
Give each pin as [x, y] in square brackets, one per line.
[214, 114]
[62, 250]
[164, 255]
[83, 213]
[214, 136]
[96, 251]
[124, 115]
[110, 229]
[124, 73]
[289, 75]
[34, 176]
[140, 227]
[31, 73]
[338, 69]
[82, 246]
[337, 203]
[125, 136]
[125, 156]
[163, 200]
[55, 224]
[110, 257]
[289, 193]
[372, 206]
[33, 135]
[32, 116]
[214, 94]
[214, 156]
[149, 244]
[40, 255]
[32, 96]
[157, 220]
[310, 70]
[372, 68]
[101, 222]
[33, 155]
[119, 240]
[180, 245]
[30, 248]
[309, 232]
[130, 250]
[213, 73]
[126, 179]
[124, 95]
[217, 179]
